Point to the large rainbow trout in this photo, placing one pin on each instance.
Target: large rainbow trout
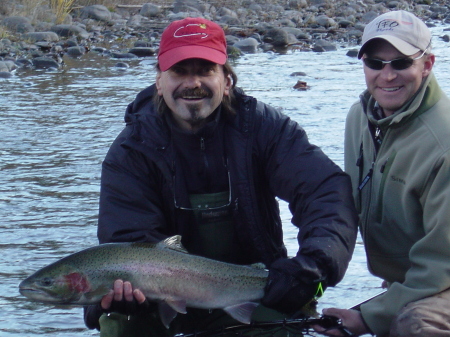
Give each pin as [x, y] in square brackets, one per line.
[164, 272]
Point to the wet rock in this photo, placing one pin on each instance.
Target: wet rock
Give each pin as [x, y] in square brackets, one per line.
[70, 30]
[352, 53]
[122, 65]
[323, 46]
[142, 51]
[76, 51]
[231, 39]
[143, 44]
[44, 46]
[18, 24]
[248, 45]
[123, 55]
[70, 43]
[344, 23]
[45, 62]
[230, 20]
[5, 74]
[301, 85]
[24, 63]
[7, 66]
[234, 52]
[135, 20]
[298, 73]
[42, 36]
[294, 31]
[298, 4]
[188, 6]
[278, 37]
[254, 7]
[96, 12]
[99, 50]
[150, 10]
[325, 21]
[369, 16]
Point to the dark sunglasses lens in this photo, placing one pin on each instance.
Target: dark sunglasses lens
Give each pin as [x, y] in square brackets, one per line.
[398, 64]
[401, 64]
[373, 63]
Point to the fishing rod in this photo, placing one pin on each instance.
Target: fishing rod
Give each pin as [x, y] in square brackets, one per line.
[296, 326]
[301, 325]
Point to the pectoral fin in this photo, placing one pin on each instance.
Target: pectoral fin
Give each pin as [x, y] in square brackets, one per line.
[166, 313]
[242, 312]
[169, 308]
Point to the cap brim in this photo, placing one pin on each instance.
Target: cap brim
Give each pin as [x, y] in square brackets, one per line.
[175, 55]
[403, 47]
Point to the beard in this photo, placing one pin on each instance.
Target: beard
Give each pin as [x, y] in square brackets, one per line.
[196, 119]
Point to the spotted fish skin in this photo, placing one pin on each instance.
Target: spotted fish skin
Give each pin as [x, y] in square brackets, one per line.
[164, 272]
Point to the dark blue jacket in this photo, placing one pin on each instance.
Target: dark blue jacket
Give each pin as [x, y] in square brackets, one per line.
[269, 157]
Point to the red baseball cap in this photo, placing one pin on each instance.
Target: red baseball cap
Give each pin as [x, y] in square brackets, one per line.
[192, 38]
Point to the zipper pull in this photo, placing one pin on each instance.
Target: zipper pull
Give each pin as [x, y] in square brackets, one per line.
[202, 144]
[366, 179]
[378, 135]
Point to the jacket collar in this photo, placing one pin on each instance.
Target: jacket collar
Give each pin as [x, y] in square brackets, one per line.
[427, 96]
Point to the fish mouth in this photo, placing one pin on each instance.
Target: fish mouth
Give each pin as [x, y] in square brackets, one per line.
[30, 291]
[38, 295]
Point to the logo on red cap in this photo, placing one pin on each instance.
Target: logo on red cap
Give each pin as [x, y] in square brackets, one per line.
[190, 30]
[192, 38]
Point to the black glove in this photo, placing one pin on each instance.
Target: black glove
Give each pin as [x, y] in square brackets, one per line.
[128, 308]
[92, 313]
[290, 286]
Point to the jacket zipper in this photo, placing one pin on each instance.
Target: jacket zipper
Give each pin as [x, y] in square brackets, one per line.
[205, 160]
[377, 142]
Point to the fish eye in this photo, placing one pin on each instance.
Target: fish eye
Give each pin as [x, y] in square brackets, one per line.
[46, 282]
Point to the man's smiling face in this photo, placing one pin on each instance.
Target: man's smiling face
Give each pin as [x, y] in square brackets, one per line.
[193, 89]
[393, 88]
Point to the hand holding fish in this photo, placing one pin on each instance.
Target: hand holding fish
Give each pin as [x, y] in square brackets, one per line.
[122, 290]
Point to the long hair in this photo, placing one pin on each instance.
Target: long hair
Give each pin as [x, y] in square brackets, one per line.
[228, 102]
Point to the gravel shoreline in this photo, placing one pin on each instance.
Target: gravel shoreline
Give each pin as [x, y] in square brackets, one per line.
[251, 26]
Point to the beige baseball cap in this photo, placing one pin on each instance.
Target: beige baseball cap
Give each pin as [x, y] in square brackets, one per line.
[406, 32]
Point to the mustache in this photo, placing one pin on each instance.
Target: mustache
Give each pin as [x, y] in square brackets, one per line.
[195, 92]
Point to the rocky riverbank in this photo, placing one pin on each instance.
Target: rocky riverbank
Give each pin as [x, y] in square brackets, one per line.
[251, 26]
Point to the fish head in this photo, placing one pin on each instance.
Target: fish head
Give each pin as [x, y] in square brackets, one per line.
[55, 283]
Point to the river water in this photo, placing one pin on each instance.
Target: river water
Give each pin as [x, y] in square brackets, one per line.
[55, 130]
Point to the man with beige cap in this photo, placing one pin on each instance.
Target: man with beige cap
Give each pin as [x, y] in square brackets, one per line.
[397, 152]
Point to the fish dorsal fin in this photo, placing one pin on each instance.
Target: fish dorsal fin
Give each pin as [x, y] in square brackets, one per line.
[242, 312]
[166, 313]
[258, 265]
[174, 242]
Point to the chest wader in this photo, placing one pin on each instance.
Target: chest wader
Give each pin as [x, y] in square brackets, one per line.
[218, 239]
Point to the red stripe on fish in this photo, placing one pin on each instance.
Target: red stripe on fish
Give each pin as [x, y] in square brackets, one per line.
[77, 282]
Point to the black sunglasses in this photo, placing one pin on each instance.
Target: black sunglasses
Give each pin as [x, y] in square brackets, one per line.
[397, 64]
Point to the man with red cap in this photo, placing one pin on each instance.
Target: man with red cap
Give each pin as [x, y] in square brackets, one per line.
[397, 151]
[200, 159]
